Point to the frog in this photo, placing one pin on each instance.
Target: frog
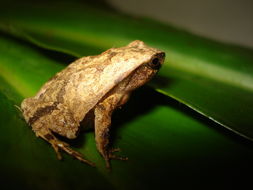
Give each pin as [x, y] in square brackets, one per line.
[88, 91]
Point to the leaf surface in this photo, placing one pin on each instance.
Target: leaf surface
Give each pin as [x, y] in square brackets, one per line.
[212, 78]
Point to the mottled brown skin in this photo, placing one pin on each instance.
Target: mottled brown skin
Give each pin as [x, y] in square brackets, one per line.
[93, 85]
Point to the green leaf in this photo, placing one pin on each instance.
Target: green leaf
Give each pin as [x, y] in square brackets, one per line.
[212, 78]
[166, 143]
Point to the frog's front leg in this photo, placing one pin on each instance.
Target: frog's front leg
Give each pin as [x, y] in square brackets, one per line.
[103, 112]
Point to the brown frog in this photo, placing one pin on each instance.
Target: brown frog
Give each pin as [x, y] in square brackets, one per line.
[90, 89]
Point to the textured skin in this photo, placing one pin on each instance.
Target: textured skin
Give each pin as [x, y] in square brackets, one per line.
[95, 85]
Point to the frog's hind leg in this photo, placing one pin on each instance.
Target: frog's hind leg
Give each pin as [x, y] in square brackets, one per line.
[103, 112]
[59, 145]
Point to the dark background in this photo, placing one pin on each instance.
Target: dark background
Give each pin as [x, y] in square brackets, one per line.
[225, 20]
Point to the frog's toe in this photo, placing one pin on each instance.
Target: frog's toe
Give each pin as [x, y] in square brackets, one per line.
[65, 147]
[116, 157]
[57, 151]
[110, 155]
[59, 145]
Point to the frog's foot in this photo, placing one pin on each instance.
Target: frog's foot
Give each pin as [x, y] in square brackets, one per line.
[59, 145]
[110, 155]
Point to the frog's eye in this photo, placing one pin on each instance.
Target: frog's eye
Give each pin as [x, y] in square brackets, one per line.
[155, 63]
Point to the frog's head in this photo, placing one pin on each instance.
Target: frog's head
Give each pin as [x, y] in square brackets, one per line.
[150, 60]
[153, 57]
[137, 63]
